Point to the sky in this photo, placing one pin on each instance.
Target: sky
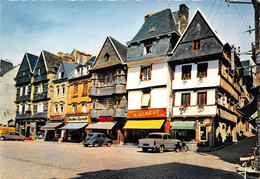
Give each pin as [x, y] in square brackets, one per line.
[64, 25]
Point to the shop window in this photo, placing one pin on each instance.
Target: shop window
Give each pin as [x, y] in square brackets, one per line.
[196, 45]
[185, 99]
[106, 57]
[145, 73]
[203, 133]
[186, 72]
[57, 90]
[75, 92]
[85, 89]
[202, 70]
[183, 135]
[202, 98]
[146, 99]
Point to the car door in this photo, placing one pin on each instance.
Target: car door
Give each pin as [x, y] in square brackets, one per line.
[171, 142]
[99, 140]
[166, 142]
[18, 136]
[11, 136]
[103, 138]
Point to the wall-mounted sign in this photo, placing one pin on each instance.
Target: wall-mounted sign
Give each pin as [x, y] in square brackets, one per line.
[106, 118]
[147, 113]
[207, 122]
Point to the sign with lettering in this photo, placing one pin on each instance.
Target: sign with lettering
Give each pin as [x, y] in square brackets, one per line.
[147, 113]
[207, 122]
[106, 118]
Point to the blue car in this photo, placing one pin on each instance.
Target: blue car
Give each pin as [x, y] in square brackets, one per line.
[97, 139]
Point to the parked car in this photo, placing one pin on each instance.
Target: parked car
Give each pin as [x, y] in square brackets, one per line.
[97, 139]
[12, 136]
[159, 141]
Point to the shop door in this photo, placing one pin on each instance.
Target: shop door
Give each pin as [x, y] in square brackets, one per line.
[203, 134]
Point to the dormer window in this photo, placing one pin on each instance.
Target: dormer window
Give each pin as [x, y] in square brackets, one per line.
[152, 29]
[62, 74]
[196, 45]
[147, 48]
[106, 57]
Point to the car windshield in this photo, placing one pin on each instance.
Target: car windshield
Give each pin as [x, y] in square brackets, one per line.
[154, 136]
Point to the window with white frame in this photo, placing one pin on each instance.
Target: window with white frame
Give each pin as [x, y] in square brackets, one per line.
[61, 108]
[26, 90]
[74, 108]
[146, 99]
[145, 73]
[21, 91]
[40, 107]
[20, 109]
[63, 90]
[40, 88]
[56, 108]
[84, 108]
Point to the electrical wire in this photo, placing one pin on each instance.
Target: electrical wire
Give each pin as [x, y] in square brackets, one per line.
[217, 11]
[211, 8]
[244, 21]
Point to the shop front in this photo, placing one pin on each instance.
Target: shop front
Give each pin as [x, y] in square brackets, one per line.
[30, 127]
[142, 122]
[52, 131]
[197, 131]
[75, 129]
[111, 127]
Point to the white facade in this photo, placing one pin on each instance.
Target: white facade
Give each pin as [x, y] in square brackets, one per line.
[196, 85]
[212, 79]
[7, 95]
[159, 85]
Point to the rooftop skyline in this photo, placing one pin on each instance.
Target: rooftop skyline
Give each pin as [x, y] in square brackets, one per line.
[60, 25]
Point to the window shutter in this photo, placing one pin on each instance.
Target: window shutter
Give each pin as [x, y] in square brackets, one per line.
[146, 100]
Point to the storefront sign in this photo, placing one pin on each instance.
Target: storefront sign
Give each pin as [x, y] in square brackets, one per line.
[207, 122]
[147, 113]
[106, 118]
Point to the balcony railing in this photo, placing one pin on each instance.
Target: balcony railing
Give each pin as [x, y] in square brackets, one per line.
[107, 90]
[96, 113]
[22, 98]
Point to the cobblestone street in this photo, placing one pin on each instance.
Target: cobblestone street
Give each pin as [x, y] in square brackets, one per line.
[38, 159]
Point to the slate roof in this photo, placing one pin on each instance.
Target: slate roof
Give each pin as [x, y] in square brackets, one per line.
[68, 68]
[161, 21]
[198, 29]
[32, 59]
[121, 49]
[90, 61]
[52, 61]
[5, 66]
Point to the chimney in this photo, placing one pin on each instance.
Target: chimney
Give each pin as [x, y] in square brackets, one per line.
[183, 17]
[147, 16]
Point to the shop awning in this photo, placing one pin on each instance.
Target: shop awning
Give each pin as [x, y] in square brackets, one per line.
[184, 125]
[51, 126]
[74, 126]
[144, 124]
[101, 125]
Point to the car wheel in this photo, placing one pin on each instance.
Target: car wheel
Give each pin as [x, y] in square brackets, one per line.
[2, 138]
[86, 145]
[95, 144]
[109, 144]
[184, 148]
[161, 149]
[144, 149]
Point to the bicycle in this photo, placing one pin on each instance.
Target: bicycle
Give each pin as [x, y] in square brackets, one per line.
[181, 146]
